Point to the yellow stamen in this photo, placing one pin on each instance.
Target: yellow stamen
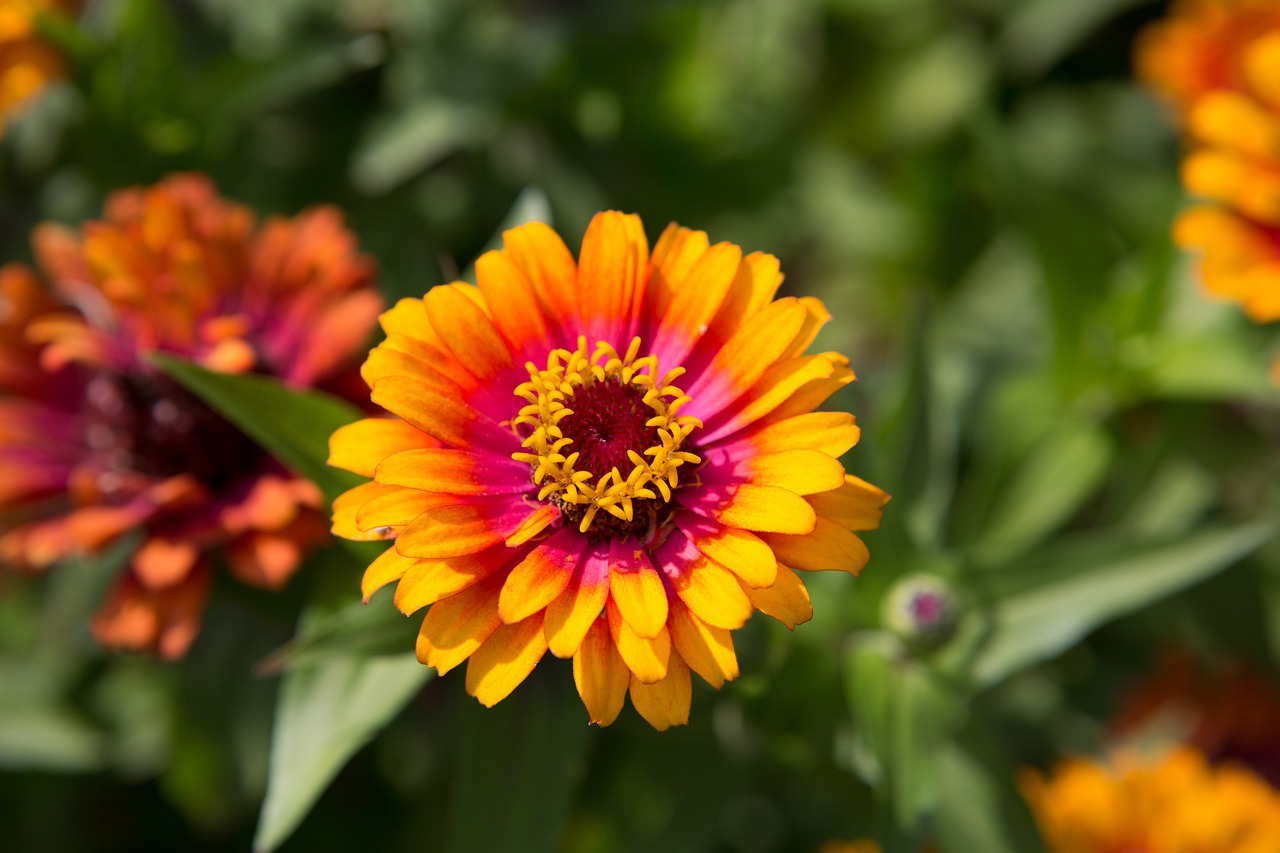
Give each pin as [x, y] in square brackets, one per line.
[549, 396]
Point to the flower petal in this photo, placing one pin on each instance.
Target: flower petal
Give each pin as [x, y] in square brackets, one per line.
[856, 505]
[548, 265]
[646, 658]
[349, 503]
[773, 389]
[467, 332]
[637, 590]
[428, 581]
[694, 303]
[460, 529]
[572, 614]
[453, 423]
[455, 627]
[751, 507]
[708, 650]
[360, 446]
[541, 576]
[675, 253]
[803, 472]
[664, 703]
[610, 265]
[397, 507]
[745, 357]
[832, 433]
[389, 566]
[600, 674]
[456, 472]
[741, 552]
[505, 660]
[511, 298]
[829, 548]
[787, 600]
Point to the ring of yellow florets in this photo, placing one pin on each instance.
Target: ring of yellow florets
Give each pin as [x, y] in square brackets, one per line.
[581, 494]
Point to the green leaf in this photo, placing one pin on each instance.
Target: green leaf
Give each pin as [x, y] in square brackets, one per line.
[357, 629]
[519, 764]
[979, 808]
[905, 713]
[1049, 604]
[398, 147]
[326, 712]
[293, 425]
[1061, 472]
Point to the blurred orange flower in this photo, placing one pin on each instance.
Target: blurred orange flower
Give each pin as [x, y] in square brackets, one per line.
[96, 443]
[551, 487]
[1207, 46]
[1219, 62]
[27, 63]
[1175, 804]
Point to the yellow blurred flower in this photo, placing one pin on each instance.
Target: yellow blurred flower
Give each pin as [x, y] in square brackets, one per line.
[27, 63]
[616, 460]
[1175, 804]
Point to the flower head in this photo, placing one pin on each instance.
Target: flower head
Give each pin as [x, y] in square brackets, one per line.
[1219, 61]
[1177, 804]
[1208, 46]
[615, 459]
[27, 63]
[97, 443]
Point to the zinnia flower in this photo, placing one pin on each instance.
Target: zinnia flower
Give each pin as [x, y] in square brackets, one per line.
[96, 443]
[1176, 804]
[27, 63]
[1206, 46]
[1219, 61]
[616, 460]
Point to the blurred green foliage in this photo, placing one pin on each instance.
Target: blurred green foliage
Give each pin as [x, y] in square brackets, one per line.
[1077, 440]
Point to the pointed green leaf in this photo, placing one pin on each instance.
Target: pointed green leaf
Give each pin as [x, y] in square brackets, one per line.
[326, 712]
[1040, 608]
[293, 425]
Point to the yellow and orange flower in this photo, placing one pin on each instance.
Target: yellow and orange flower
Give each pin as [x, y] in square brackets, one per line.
[1219, 62]
[95, 442]
[1176, 804]
[616, 460]
[27, 63]
[1205, 46]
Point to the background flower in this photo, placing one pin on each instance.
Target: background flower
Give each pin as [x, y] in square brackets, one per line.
[1167, 805]
[99, 443]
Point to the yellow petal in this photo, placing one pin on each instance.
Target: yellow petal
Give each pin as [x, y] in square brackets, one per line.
[455, 627]
[646, 658]
[637, 590]
[541, 576]
[600, 675]
[856, 505]
[739, 551]
[360, 446]
[348, 504]
[429, 581]
[664, 703]
[712, 592]
[467, 332]
[787, 600]
[829, 548]
[570, 616]
[505, 660]
[708, 650]
[390, 566]
[804, 472]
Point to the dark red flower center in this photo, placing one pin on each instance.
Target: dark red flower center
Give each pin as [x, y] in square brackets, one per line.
[608, 420]
[148, 424]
